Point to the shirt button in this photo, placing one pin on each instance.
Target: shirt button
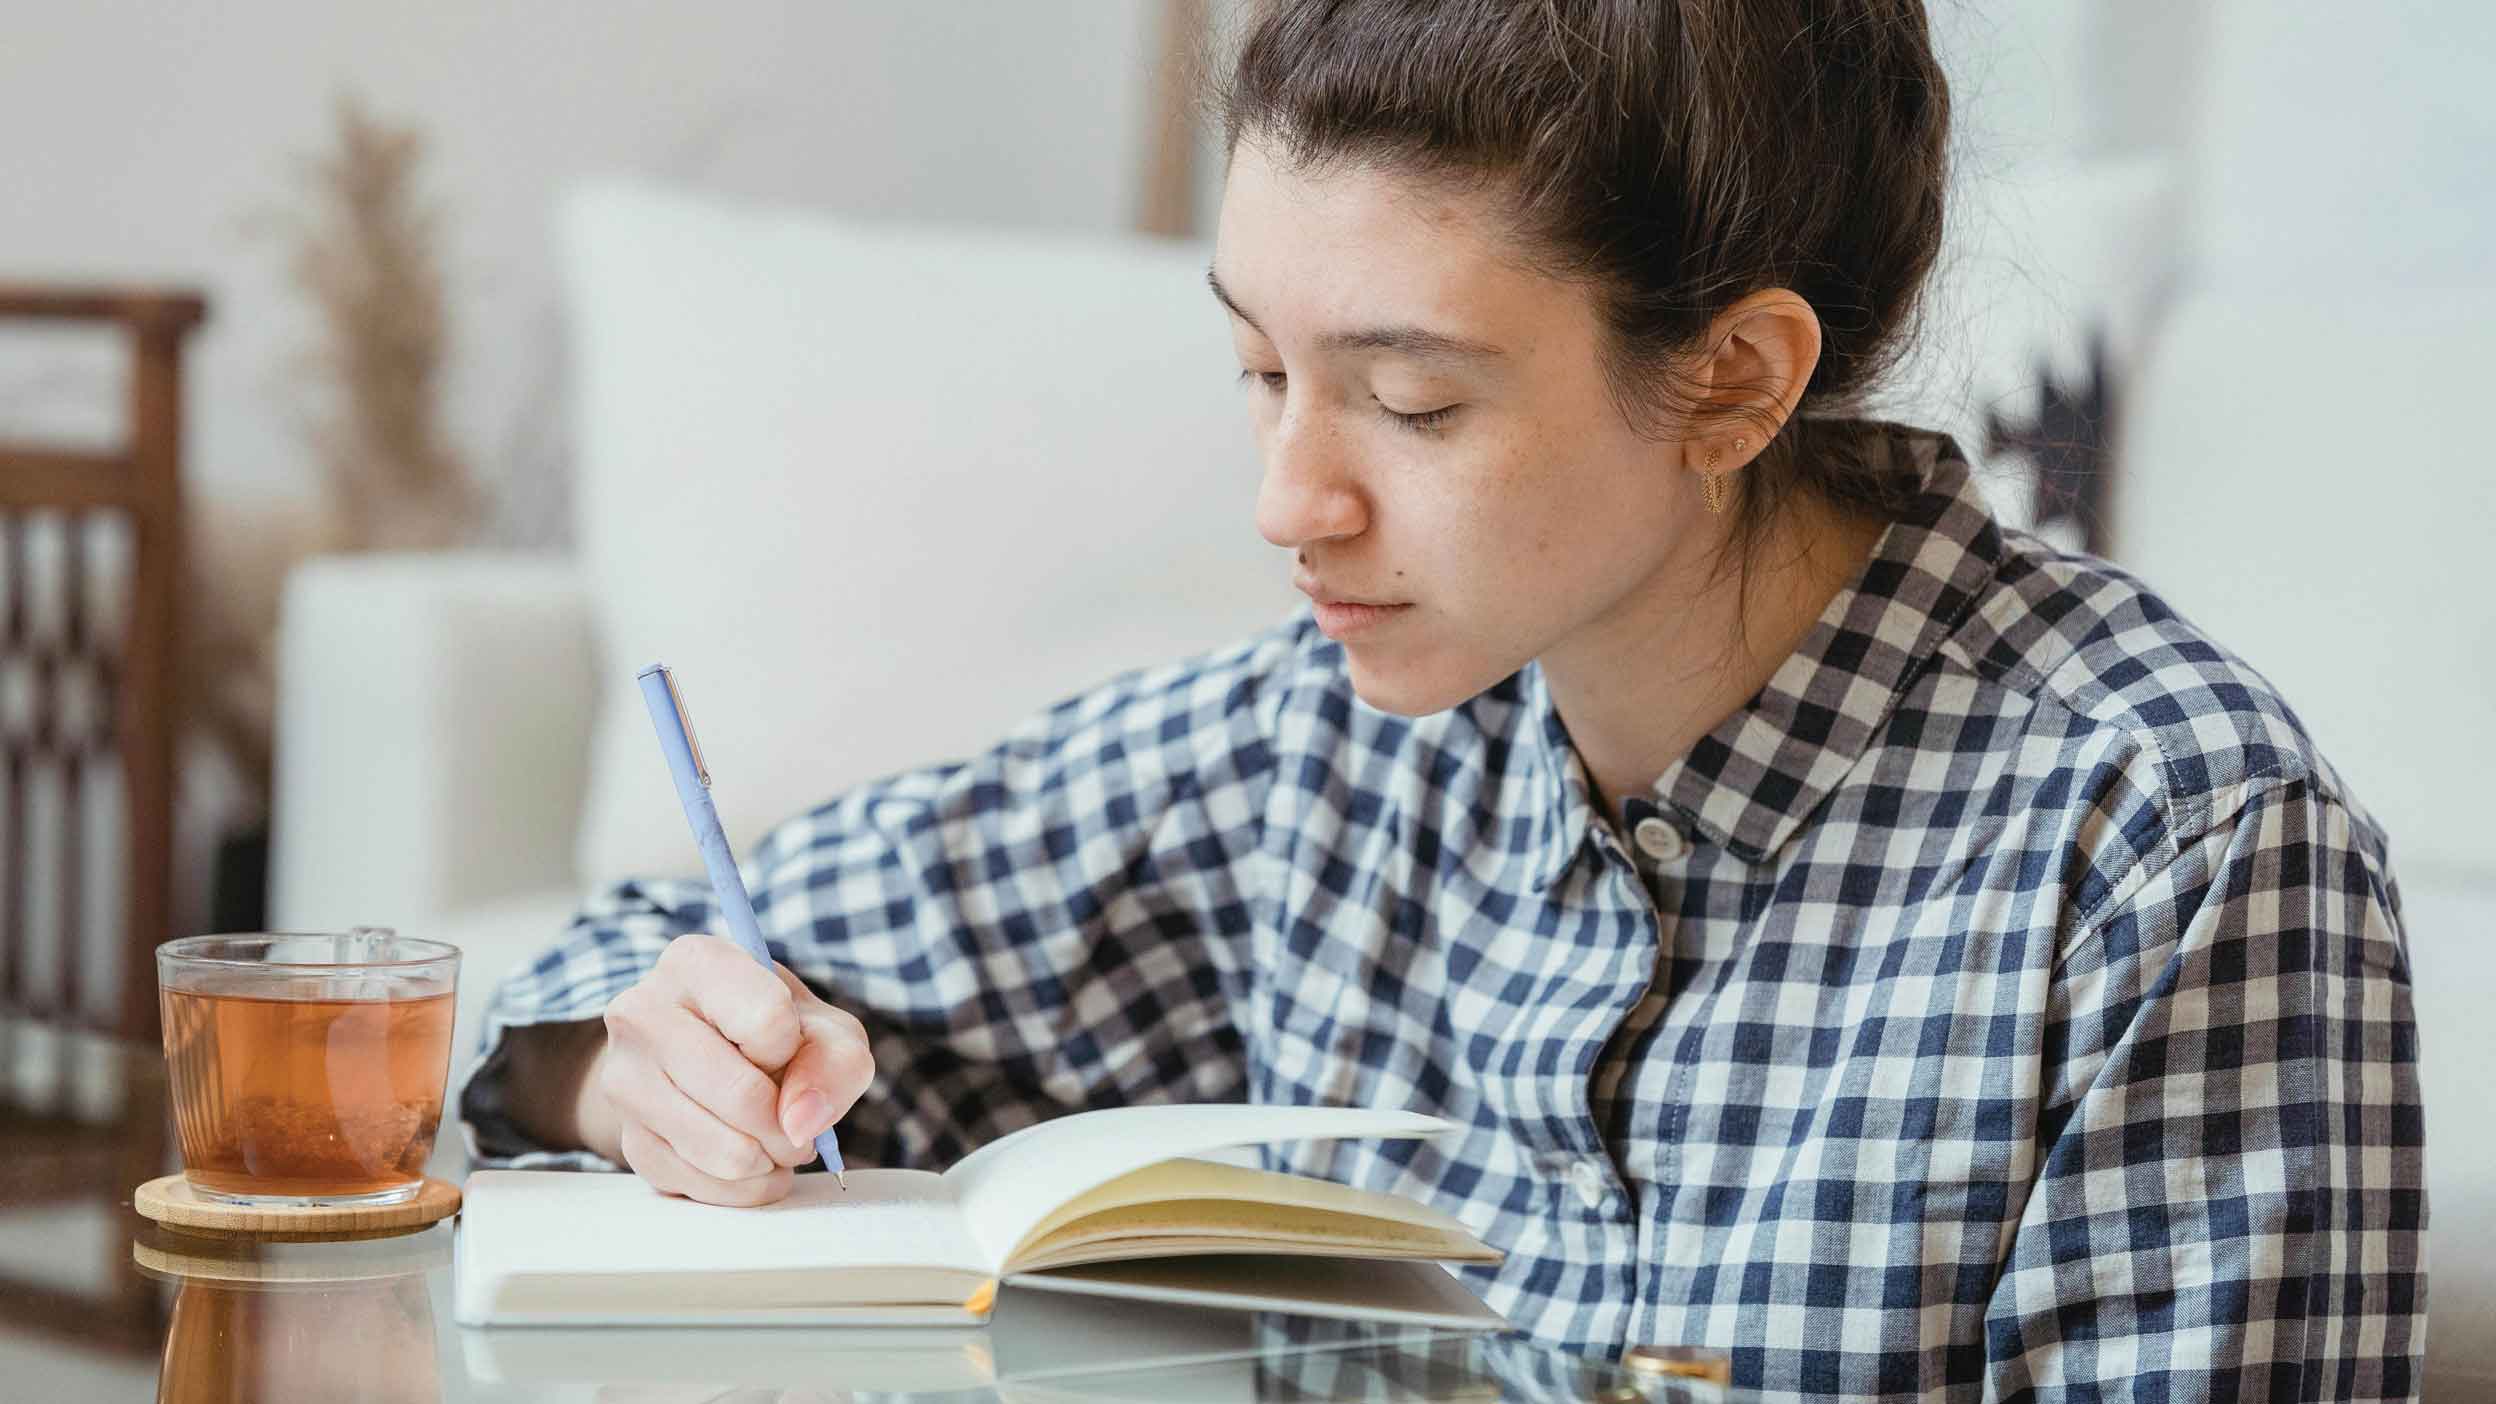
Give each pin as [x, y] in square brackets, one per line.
[1587, 1179]
[1659, 840]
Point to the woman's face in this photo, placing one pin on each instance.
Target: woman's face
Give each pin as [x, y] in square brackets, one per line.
[1437, 433]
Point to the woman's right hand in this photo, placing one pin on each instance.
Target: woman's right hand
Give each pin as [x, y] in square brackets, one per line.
[717, 1075]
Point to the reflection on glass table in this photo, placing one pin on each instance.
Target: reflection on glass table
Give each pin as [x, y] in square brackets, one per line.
[273, 1323]
[369, 1322]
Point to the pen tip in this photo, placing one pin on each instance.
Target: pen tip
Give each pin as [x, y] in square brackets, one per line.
[844, 1179]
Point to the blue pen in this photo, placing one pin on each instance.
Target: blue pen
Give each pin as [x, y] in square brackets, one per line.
[693, 788]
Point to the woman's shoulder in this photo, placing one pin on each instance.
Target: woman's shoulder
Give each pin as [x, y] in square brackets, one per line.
[2100, 655]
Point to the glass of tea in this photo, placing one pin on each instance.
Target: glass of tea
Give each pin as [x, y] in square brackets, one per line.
[307, 1068]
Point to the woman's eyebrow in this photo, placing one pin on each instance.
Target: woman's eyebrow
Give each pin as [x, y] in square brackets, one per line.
[1404, 340]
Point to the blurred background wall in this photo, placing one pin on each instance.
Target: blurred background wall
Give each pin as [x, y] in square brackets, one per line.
[156, 140]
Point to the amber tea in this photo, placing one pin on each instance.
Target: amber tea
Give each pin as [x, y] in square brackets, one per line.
[299, 1078]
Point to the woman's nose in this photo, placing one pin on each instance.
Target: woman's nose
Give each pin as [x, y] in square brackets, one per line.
[1307, 494]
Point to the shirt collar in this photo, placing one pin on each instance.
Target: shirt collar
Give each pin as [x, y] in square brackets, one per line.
[1753, 780]
[1566, 817]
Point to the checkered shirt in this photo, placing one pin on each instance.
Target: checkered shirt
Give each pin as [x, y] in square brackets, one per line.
[2007, 1002]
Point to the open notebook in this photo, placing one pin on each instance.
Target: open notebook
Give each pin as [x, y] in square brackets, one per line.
[1084, 1203]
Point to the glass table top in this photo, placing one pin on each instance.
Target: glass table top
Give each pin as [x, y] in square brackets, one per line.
[371, 1321]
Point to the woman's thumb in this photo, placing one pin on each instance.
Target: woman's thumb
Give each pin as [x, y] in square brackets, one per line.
[818, 1086]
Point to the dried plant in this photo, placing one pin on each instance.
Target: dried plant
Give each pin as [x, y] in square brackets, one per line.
[367, 254]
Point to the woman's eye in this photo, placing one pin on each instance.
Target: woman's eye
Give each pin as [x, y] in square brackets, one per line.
[1420, 422]
[1423, 421]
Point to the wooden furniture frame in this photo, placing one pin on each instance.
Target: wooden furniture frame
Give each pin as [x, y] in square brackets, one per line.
[141, 482]
[54, 1157]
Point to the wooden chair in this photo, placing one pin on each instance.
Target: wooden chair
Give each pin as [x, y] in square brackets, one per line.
[124, 666]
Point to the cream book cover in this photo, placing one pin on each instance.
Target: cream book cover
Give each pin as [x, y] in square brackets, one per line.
[1085, 1203]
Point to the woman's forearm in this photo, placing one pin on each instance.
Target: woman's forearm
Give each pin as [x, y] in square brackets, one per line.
[554, 1097]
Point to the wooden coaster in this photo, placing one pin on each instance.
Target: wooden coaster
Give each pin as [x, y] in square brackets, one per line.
[171, 1201]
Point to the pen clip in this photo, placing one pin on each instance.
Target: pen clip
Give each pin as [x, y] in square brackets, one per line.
[693, 743]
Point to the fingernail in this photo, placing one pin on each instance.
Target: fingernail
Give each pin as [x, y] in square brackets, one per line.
[807, 1117]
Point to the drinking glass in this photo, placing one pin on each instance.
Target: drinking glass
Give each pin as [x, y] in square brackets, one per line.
[307, 1068]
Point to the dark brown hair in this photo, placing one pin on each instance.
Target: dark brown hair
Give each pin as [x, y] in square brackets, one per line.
[1674, 155]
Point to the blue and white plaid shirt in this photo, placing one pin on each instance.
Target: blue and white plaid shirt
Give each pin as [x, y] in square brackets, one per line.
[2008, 998]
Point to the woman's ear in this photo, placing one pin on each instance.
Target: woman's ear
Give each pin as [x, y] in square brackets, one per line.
[1766, 348]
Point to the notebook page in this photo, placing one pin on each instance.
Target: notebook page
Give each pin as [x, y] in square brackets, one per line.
[1190, 1179]
[1011, 1184]
[557, 1223]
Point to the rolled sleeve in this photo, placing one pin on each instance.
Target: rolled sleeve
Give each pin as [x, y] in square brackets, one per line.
[2233, 1204]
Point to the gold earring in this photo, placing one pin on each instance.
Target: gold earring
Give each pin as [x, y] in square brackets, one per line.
[1714, 485]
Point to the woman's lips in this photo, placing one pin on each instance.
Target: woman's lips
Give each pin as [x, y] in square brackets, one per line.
[1343, 620]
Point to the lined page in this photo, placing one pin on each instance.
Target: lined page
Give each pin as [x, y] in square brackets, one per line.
[1186, 1181]
[1011, 1184]
[1237, 1226]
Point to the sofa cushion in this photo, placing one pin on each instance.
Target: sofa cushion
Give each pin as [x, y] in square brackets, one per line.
[876, 492]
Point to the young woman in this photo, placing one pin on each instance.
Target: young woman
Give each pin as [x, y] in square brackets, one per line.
[1851, 932]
